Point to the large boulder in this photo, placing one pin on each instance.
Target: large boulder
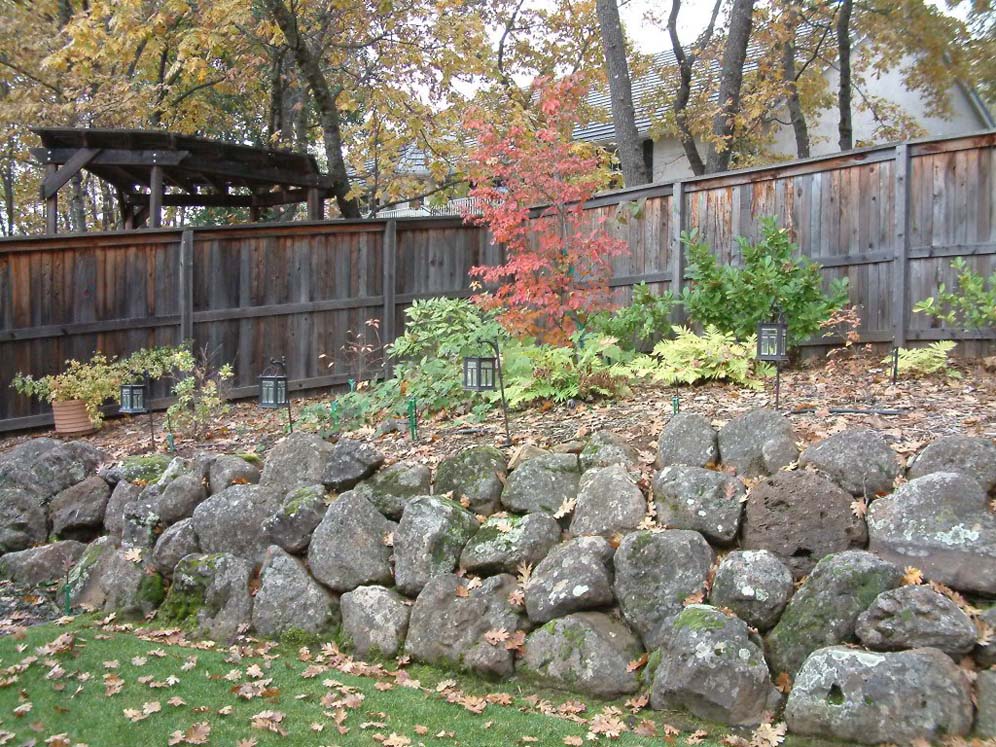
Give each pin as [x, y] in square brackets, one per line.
[755, 584]
[212, 592]
[375, 620]
[605, 448]
[178, 491]
[576, 575]
[41, 565]
[587, 652]
[114, 580]
[296, 461]
[289, 599]
[942, 524]
[985, 689]
[866, 697]
[916, 617]
[609, 502]
[173, 545]
[232, 521]
[293, 522]
[140, 469]
[860, 461]
[688, 438]
[124, 492]
[429, 540]
[78, 511]
[45, 466]
[655, 573]
[801, 517]
[350, 547]
[22, 520]
[543, 483]
[973, 457]
[476, 473]
[390, 489]
[759, 442]
[700, 499]
[348, 463]
[503, 543]
[825, 610]
[450, 628]
[713, 667]
[228, 470]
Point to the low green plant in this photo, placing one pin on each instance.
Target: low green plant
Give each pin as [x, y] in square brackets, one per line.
[773, 275]
[159, 363]
[690, 358]
[930, 359]
[93, 382]
[971, 305]
[639, 325]
[201, 397]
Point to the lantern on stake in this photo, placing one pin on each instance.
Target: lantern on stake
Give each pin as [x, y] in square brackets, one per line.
[273, 393]
[134, 398]
[483, 374]
[772, 346]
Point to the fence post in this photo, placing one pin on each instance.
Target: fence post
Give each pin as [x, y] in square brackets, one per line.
[389, 263]
[677, 249]
[901, 245]
[186, 285]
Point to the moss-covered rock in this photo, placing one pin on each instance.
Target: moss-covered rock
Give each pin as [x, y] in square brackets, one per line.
[503, 543]
[476, 473]
[292, 523]
[145, 469]
[390, 489]
[429, 540]
[210, 593]
[289, 598]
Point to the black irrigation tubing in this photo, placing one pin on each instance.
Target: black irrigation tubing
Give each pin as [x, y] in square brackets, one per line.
[849, 411]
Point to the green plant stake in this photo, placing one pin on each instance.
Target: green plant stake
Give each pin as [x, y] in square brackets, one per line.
[413, 418]
[352, 385]
[67, 606]
[675, 403]
[334, 411]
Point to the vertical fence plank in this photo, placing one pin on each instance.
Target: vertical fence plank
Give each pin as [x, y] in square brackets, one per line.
[388, 285]
[901, 245]
[185, 285]
[677, 250]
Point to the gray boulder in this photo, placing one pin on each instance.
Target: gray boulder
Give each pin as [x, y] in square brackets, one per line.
[916, 617]
[449, 629]
[759, 442]
[985, 656]
[22, 520]
[974, 457]
[211, 592]
[688, 438]
[124, 492]
[390, 489]
[605, 448]
[141, 469]
[713, 667]
[291, 525]
[985, 691]
[941, 523]
[375, 620]
[232, 521]
[348, 463]
[801, 517]
[350, 546]
[296, 461]
[429, 540]
[45, 466]
[542, 484]
[575, 576]
[503, 543]
[228, 470]
[107, 578]
[289, 599]
[476, 473]
[825, 610]
[173, 545]
[178, 492]
[755, 584]
[78, 511]
[41, 565]
[655, 573]
[700, 499]
[867, 697]
[609, 502]
[586, 652]
[860, 461]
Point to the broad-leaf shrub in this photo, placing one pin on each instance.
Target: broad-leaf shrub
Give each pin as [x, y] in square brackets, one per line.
[971, 305]
[734, 299]
[201, 397]
[639, 325]
[930, 359]
[690, 358]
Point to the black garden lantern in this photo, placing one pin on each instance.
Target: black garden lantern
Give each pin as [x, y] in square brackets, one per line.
[273, 392]
[772, 346]
[134, 398]
[481, 373]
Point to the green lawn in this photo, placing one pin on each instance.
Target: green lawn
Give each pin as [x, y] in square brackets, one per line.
[67, 693]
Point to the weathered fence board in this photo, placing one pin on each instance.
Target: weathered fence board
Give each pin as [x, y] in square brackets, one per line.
[889, 218]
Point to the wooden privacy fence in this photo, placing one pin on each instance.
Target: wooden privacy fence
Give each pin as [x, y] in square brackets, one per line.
[889, 218]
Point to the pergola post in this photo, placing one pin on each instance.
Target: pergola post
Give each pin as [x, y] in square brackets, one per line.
[316, 205]
[51, 204]
[156, 196]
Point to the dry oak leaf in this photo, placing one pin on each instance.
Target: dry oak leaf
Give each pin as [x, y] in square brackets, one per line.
[912, 576]
[696, 737]
[198, 733]
[637, 663]
[609, 726]
[461, 591]
[516, 642]
[134, 555]
[496, 636]
[637, 703]
[768, 735]
[573, 741]
[397, 740]
[269, 721]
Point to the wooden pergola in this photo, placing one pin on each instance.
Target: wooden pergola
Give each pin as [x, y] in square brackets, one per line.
[152, 169]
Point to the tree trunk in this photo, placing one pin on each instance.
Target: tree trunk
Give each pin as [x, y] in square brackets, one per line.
[684, 92]
[324, 96]
[730, 82]
[628, 143]
[844, 127]
[799, 127]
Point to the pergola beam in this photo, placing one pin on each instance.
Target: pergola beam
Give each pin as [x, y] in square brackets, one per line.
[112, 156]
[58, 179]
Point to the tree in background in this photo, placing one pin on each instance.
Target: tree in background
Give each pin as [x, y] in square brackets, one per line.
[557, 267]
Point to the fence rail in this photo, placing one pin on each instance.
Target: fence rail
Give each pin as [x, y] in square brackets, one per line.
[889, 218]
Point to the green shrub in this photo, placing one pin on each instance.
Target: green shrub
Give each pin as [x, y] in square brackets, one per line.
[972, 305]
[690, 358]
[159, 363]
[201, 397]
[927, 360]
[735, 299]
[639, 325]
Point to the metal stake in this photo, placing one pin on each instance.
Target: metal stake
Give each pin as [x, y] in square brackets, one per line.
[778, 383]
[501, 384]
[895, 364]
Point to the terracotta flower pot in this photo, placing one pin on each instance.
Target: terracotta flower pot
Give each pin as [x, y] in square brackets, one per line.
[71, 418]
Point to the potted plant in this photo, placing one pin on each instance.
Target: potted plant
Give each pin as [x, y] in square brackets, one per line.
[77, 393]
